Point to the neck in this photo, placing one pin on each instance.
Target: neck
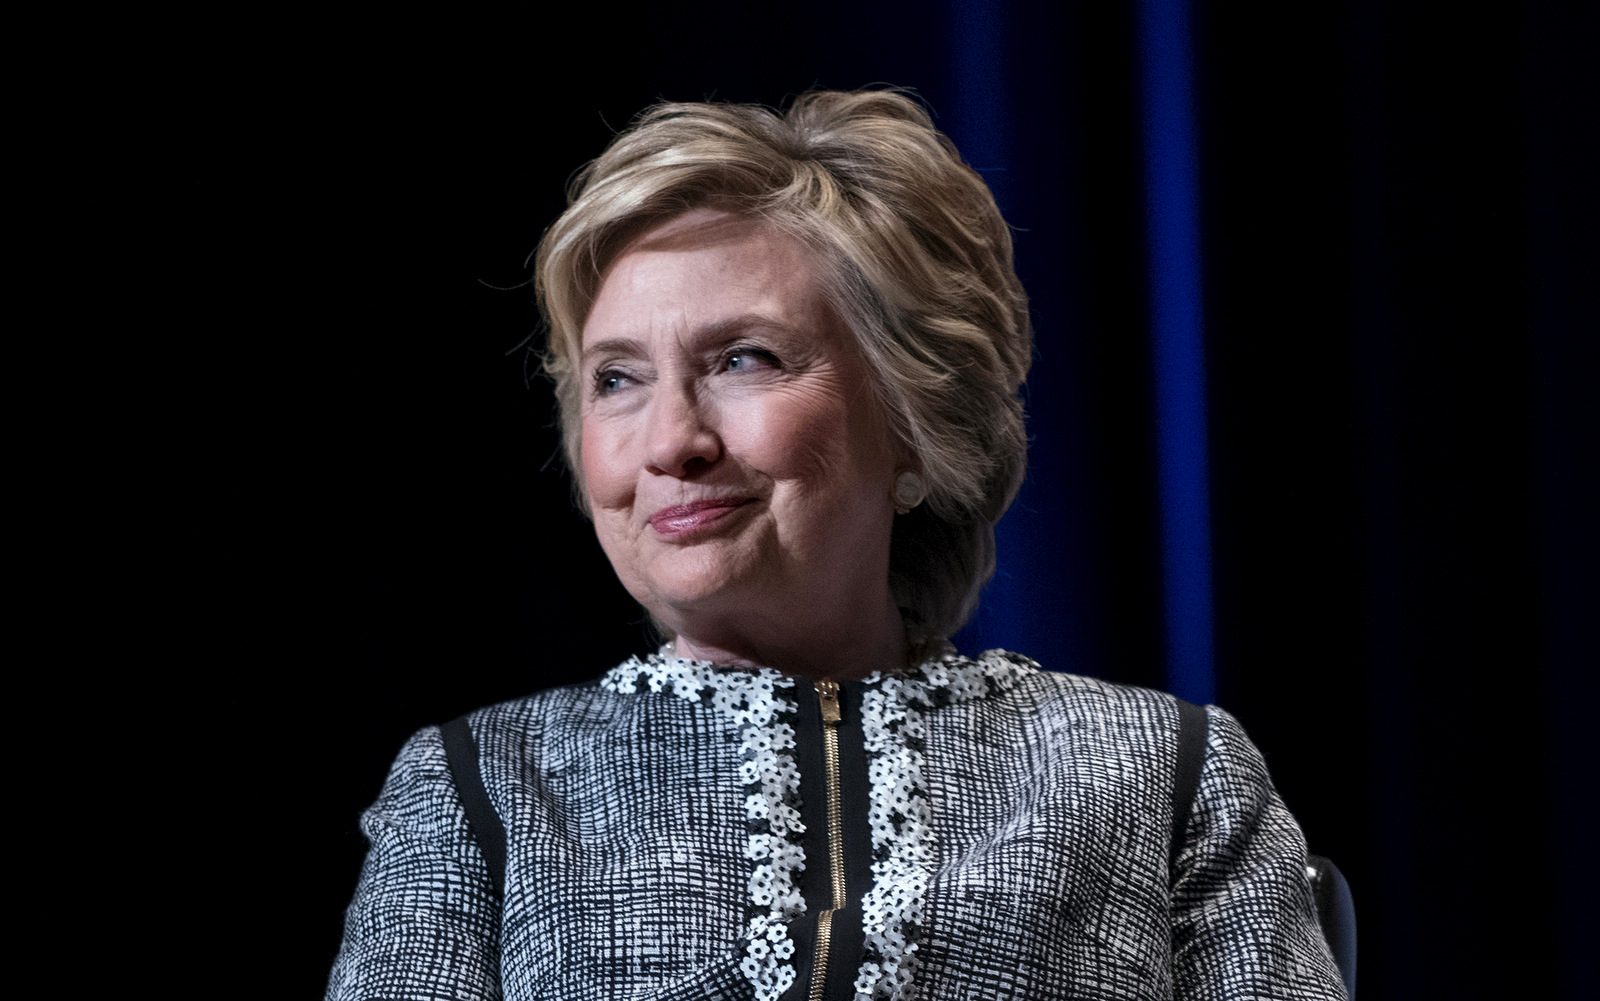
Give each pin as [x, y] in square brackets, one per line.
[843, 651]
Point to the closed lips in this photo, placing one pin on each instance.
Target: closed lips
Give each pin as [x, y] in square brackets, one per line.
[682, 517]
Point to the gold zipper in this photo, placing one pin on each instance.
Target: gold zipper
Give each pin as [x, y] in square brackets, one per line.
[828, 698]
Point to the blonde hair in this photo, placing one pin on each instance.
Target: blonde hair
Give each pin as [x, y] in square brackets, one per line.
[915, 257]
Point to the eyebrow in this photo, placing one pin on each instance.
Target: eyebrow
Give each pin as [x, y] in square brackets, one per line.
[625, 346]
[633, 347]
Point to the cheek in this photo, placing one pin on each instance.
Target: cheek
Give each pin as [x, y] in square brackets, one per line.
[788, 438]
[609, 499]
[606, 477]
[814, 437]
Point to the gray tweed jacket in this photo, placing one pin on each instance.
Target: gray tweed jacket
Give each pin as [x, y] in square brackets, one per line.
[999, 831]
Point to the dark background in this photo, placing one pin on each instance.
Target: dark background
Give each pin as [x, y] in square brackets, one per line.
[1399, 250]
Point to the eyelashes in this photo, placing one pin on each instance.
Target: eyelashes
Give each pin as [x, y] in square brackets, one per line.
[610, 380]
[746, 358]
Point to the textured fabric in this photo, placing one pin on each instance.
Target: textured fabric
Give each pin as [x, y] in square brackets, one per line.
[1020, 827]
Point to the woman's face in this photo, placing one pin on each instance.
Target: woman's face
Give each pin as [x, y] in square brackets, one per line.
[736, 461]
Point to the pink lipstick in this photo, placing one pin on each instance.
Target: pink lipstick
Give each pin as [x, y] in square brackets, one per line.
[682, 520]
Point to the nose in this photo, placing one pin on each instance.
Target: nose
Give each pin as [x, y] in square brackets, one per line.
[683, 437]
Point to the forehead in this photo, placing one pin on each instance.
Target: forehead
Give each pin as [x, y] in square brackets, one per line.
[705, 267]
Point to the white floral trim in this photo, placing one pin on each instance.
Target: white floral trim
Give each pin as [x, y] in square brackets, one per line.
[898, 810]
[750, 699]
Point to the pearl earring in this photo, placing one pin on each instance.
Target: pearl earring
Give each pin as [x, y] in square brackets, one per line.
[909, 490]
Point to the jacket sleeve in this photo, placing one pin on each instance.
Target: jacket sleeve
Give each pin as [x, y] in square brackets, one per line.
[1244, 921]
[425, 920]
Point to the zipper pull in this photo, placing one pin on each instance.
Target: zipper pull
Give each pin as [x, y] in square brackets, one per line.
[828, 696]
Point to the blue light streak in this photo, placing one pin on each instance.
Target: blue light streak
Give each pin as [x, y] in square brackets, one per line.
[1172, 219]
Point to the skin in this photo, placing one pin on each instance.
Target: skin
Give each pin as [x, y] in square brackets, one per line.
[738, 466]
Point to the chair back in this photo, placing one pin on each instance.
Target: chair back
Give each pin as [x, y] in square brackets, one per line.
[1336, 909]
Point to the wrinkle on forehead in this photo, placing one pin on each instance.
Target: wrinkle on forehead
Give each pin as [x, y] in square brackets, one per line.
[777, 275]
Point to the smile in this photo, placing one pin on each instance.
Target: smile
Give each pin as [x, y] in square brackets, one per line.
[681, 521]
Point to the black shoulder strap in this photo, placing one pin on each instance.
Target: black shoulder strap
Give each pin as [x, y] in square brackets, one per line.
[1192, 725]
[461, 751]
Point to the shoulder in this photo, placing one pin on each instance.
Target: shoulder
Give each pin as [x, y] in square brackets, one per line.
[512, 735]
[639, 684]
[652, 685]
[540, 710]
[1078, 700]
[642, 710]
[1142, 721]
[418, 796]
[420, 799]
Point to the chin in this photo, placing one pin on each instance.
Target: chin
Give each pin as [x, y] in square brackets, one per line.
[696, 588]
[690, 595]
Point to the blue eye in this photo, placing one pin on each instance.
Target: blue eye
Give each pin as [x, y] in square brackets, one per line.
[608, 381]
[747, 359]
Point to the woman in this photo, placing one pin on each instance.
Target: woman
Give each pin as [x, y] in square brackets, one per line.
[787, 352]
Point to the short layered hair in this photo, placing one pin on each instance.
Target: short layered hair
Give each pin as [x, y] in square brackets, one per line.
[912, 252]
